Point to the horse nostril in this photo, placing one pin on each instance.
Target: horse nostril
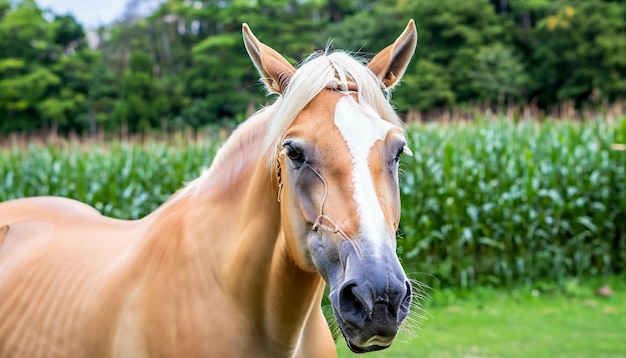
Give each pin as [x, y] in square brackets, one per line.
[398, 302]
[354, 307]
[405, 304]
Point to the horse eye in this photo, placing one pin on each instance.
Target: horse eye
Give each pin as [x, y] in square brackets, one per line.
[399, 154]
[402, 150]
[295, 155]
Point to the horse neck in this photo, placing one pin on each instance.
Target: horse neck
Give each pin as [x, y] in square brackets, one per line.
[233, 222]
[263, 277]
[292, 298]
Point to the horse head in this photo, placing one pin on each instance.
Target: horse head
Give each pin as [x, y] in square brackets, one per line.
[334, 144]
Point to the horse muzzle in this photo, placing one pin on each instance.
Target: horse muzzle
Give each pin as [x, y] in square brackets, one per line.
[371, 303]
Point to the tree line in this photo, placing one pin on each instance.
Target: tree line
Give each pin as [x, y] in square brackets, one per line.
[184, 65]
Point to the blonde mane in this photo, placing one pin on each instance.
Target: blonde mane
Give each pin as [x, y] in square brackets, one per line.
[233, 154]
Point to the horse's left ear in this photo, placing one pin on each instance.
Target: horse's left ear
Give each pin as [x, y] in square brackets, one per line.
[389, 64]
[275, 71]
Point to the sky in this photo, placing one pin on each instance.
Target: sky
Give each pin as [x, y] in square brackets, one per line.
[90, 13]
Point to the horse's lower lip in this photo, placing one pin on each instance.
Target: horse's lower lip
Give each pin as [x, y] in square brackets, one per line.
[373, 344]
[378, 341]
[356, 349]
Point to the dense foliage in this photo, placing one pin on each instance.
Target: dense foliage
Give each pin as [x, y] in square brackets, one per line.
[497, 203]
[185, 64]
[489, 203]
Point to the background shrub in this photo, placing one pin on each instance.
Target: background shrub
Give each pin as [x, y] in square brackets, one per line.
[497, 202]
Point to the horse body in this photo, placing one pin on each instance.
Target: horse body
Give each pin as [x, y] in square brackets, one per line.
[223, 268]
[158, 286]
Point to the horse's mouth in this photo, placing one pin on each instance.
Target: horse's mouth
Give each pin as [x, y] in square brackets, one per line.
[356, 349]
[373, 344]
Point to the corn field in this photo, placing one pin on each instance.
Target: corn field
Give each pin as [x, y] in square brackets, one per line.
[491, 202]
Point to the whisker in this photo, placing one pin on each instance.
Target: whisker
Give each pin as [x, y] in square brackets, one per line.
[413, 323]
[335, 331]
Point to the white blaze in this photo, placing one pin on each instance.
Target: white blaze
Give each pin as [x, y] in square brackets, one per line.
[361, 127]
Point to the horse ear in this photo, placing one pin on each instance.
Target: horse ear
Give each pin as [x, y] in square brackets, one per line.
[275, 71]
[389, 64]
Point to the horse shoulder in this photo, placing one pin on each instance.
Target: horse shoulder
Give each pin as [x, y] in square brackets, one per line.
[61, 269]
[21, 247]
[30, 225]
[17, 238]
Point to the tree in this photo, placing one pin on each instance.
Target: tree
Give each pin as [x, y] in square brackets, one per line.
[215, 81]
[43, 80]
[68, 33]
[428, 87]
[137, 107]
[363, 32]
[500, 75]
[101, 99]
[578, 52]
[453, 35]
[185, 65]
[21, 89]
[24, 52]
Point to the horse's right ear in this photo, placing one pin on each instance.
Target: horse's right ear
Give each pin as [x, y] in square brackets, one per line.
[390, 63]
[275, 71]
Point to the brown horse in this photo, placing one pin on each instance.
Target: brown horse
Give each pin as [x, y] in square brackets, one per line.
[304, 193]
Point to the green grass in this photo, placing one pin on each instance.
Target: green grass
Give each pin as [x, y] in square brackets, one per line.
[570, 322]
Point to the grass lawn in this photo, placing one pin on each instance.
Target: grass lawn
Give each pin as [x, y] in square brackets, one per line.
[571, 321]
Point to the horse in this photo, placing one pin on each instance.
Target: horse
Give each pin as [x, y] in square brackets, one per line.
[302, 195]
